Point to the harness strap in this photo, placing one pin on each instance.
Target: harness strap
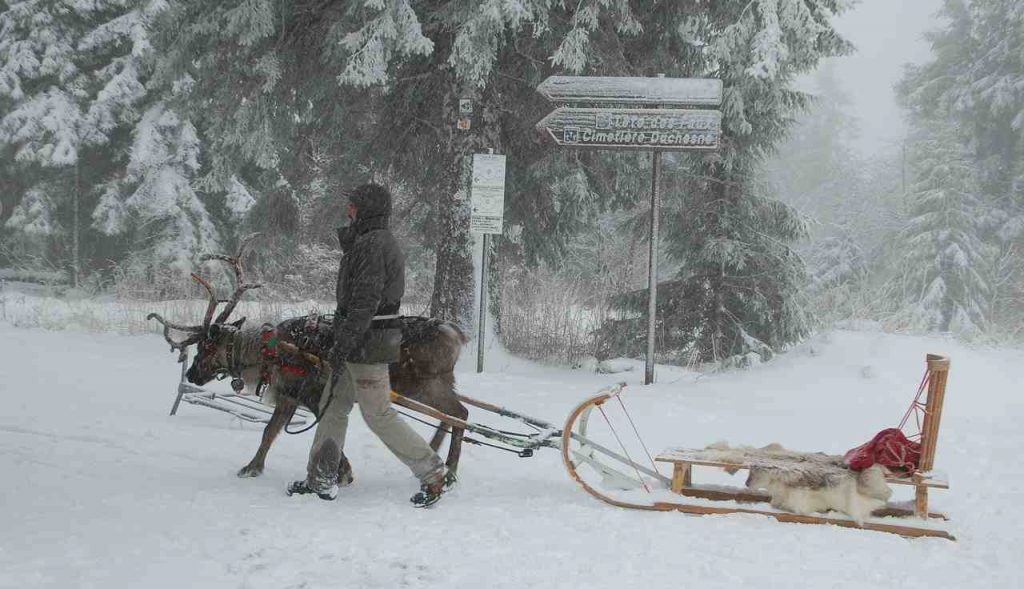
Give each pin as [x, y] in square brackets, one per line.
[234, 360]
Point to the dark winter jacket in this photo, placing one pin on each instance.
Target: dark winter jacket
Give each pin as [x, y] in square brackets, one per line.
[371, 278]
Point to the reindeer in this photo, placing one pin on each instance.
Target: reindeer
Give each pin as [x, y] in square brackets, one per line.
[425, 370]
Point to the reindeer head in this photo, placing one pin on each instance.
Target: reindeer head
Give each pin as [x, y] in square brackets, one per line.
[214, 338]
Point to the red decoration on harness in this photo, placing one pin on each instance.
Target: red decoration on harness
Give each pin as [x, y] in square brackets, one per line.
[269, 338]
[890, 448]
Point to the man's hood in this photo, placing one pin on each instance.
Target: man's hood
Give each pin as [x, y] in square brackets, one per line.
[372, 200]
[373, 206]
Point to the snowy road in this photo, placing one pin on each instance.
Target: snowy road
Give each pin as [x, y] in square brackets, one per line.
[103, 489]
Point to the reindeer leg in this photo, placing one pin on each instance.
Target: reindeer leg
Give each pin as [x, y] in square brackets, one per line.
[450, 404]
[439, 393]
[455, 449]
[438, 439]
[455, 446]
[282, 415]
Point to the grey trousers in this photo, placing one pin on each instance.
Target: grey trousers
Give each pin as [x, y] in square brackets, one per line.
[370, 386]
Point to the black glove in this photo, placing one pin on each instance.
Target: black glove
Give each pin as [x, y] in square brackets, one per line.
[336, 360]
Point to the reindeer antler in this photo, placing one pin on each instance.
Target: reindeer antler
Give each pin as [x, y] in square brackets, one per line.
[195, 330]
[211, 306]
[236, 264]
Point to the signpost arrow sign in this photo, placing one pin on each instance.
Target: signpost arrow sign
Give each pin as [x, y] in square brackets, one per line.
[633, 128]
[653, 91]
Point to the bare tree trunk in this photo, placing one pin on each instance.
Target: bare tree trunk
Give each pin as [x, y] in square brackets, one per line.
[452, 298]
[453, 295]
[76, 262]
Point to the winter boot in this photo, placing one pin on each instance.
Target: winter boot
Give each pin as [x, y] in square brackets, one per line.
[328, 493]
[430, 493]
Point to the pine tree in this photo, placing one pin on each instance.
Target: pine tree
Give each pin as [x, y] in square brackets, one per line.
[256, 79]
[168, 223]
[976, 80]
[72, 72]
[945, 255]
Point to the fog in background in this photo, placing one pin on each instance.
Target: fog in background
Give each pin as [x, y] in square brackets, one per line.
[887, 34]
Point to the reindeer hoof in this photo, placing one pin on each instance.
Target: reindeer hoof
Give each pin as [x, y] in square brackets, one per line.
[250, 471]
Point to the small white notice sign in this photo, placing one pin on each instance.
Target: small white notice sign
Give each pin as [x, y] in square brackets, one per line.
[487, 200]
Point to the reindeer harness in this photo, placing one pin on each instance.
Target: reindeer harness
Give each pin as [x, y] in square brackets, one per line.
[270, 353]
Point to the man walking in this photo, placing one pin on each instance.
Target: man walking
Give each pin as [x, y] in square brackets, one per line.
[367, 336]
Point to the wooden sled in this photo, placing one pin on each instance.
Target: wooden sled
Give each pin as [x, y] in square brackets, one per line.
[916, 521]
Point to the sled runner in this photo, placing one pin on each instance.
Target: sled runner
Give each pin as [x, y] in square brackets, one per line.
[244, 407]
[681, 494]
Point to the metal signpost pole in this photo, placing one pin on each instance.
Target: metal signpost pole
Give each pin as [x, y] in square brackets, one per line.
[652, 267]
[483, 305]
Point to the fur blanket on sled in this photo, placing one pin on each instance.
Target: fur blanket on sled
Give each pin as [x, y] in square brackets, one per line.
[805, 483]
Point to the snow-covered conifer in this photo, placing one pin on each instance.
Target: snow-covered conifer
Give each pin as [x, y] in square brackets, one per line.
[168, 222]
[976, 80]
[72, 72]
[946, 258]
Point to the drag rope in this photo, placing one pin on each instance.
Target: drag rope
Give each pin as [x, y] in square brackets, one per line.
[623, 446]
[637, 432]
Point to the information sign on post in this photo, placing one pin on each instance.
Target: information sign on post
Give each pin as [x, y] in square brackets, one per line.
[487, 194]
[487, 214]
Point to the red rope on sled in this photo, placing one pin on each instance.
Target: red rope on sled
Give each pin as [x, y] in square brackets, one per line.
[916, 406]
[891, 447]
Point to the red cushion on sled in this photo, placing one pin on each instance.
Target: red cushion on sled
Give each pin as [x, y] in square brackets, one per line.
[890, 448]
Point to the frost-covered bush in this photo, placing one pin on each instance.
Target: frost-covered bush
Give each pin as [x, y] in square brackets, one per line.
[547, 316]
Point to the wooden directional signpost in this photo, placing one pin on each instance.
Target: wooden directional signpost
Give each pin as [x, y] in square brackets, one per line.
[633, 128]
[632, 115]
[658, 91]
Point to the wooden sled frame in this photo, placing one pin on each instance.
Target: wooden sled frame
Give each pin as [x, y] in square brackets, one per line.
[681, 482]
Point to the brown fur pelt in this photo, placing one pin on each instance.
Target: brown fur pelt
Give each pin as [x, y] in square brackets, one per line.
[804, 482]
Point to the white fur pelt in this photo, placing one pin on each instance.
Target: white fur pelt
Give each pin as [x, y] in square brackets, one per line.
[806, 483]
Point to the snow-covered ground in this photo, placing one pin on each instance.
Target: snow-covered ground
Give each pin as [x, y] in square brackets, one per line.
[102, 489]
